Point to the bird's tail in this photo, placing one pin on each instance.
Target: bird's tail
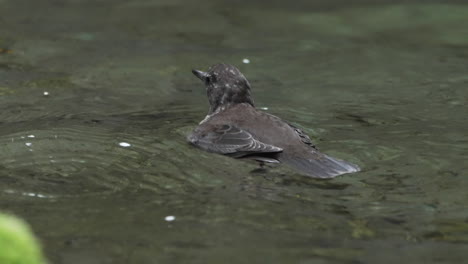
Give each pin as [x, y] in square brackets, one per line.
[319, 165]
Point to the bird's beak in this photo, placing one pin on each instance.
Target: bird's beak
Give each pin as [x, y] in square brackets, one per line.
[201, 75]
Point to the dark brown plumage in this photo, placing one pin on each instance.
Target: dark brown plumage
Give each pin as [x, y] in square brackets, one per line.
[236, 128]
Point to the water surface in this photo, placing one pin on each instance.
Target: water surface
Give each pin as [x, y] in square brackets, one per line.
[96, 98]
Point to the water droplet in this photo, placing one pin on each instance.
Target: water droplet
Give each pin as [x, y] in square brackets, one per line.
[169, 218]
[34, 195]
[246, 61]
[124, 144]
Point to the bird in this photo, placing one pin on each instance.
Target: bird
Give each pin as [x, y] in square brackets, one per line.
[235, 127]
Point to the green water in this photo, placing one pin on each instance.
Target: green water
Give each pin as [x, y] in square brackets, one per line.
[382, 84]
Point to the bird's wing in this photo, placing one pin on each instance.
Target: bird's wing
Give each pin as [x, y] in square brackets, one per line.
[230, 140]
[316, 164]
[304, 137]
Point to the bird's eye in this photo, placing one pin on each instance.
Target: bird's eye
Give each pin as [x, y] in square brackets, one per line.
[209, 79]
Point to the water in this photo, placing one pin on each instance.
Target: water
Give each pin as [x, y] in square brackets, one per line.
[382, 84]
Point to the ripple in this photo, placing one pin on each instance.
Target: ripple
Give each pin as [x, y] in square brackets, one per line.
[84, 155]
[64, 162]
